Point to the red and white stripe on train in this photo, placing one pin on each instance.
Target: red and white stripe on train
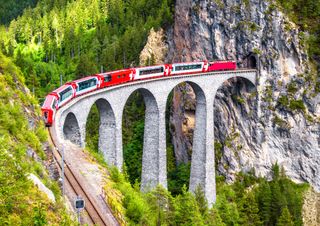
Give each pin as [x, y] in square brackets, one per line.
[70, 90]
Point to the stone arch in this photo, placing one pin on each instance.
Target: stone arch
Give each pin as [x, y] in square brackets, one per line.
[238, 94]
[150, 152]
[107, 133]
[71, 129]
[197, 171]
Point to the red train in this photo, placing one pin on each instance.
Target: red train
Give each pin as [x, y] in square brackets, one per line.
[70, 90]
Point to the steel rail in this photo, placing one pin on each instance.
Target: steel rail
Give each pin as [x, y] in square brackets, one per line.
[93, 212]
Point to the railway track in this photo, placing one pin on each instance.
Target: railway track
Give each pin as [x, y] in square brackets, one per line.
[93, 211]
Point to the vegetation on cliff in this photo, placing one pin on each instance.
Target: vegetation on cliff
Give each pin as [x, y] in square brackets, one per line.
[21, 153]
[306, 14]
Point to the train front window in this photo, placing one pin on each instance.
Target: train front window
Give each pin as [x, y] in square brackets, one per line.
[54, 104]
[87, 84]
[188, 67]
[65, 94]
[107, 78]
[151, 71]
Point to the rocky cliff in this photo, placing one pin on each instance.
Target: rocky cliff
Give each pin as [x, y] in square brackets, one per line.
[256, 125]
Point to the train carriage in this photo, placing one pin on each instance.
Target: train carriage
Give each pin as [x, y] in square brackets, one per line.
[85, 85]
[151, 71]
[222, 65]
[63, 94]
[48, 109]
[115, 77]
[189, 68]
[54, 101]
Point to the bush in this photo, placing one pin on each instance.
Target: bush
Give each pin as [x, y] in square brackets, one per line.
[297, 105]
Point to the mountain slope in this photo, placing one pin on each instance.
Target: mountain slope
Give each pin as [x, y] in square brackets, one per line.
[21, 153]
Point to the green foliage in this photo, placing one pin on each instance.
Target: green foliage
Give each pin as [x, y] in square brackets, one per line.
[92, 129]
[249, 201]
[226, 205]
[21, 203]
[137, 208]
[218, 147]
[187, 210]
[238, 99]
[264, 196]
[201, 201]
[76, 38]
[178, 178]
[13, 8]
[285, 218]
[248, 26]
[281, 123]
[297, 105]
[133, 153]
[306, 15]
[39, 216]
[292, 88]
[290, 103]
[133, 130]
[283, 101]
[249, 210]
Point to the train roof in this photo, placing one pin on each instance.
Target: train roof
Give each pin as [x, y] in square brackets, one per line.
[194, 62]
[61, 88]
[113, 72]
[222, 61]
[151, 66]
[82, 79]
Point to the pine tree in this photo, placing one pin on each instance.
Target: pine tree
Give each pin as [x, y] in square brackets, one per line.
[264, 199]
[201, 201]
[214, 218]
[278, 201]
[187, 211]
[276, 171]
[285, 218]
[249, 211]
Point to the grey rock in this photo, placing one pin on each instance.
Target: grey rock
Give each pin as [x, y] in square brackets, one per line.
[246, 33]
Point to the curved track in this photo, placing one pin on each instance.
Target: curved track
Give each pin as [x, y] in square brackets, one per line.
[94, 214]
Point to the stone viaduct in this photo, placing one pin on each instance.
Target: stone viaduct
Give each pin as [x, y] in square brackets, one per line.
[70, 123]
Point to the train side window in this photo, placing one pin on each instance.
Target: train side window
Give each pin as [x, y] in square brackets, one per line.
[87, 84]
[65, 94]
[107, 78]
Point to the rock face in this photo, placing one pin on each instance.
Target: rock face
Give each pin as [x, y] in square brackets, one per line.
[278, 121]
[155, 50]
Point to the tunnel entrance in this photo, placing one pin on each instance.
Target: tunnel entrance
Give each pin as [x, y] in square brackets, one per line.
[251, 61]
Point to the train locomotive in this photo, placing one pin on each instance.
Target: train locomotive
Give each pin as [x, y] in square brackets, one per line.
[71, 90]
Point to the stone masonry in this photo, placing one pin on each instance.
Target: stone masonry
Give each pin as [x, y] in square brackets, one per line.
[70, 123]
